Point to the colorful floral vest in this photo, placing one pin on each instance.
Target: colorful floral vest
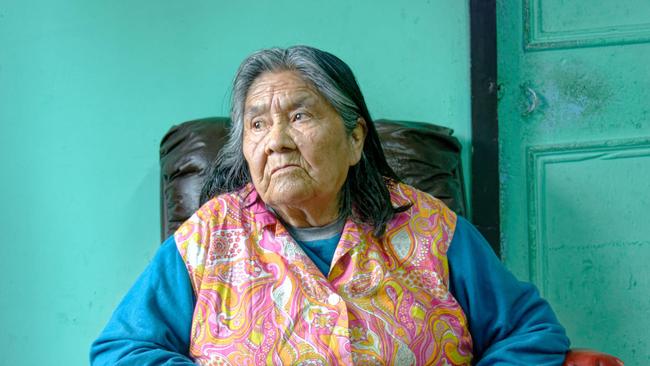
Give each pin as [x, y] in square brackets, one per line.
[261, 301]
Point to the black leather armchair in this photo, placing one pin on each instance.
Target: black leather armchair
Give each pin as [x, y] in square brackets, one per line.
[425, 156]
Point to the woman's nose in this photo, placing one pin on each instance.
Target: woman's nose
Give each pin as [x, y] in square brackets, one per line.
[279, 139]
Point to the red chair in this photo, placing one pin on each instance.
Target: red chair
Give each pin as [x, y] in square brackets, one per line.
[584, 357]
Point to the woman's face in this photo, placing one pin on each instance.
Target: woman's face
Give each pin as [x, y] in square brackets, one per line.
[295, 144]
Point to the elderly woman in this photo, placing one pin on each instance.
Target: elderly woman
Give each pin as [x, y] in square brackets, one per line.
[310, 251]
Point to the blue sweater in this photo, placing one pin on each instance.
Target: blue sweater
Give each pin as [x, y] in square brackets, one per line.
[509, 322]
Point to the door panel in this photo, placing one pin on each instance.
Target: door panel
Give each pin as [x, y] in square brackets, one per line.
[589, 247]
[574, 126]
[570, 24]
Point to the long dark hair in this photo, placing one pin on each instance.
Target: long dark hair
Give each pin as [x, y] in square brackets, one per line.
[365, 192]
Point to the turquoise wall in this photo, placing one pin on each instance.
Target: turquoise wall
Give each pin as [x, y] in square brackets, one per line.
[87, 89]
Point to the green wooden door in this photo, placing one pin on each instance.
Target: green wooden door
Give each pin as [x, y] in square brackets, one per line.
[574, 125]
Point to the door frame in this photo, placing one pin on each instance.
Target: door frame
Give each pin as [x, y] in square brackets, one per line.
[485, 186]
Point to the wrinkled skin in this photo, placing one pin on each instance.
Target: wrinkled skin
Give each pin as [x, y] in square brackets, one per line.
[297, 149]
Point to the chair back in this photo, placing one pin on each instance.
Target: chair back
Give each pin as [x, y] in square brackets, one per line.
[423, 155]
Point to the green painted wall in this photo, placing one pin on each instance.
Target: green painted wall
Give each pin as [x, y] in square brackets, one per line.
[87, 89]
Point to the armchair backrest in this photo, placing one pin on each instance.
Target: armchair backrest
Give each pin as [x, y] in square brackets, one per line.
[423, 155]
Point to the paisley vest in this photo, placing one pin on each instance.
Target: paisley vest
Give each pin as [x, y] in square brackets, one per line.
[260, 300]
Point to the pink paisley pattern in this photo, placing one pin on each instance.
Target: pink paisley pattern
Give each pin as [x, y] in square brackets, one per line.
[261, 301]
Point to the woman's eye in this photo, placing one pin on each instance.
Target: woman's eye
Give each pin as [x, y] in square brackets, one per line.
[257, 125]
[300, 116]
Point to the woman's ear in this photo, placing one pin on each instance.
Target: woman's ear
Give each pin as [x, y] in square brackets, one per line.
[357, 139]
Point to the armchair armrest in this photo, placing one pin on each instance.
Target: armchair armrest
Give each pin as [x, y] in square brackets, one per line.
[586, 357]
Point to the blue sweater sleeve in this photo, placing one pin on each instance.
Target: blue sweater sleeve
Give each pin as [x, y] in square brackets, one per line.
[510, 323]
[151, 326]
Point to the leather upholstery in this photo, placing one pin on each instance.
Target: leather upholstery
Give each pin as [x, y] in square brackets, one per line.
[585, 357]
[186, 154]
[423, 155]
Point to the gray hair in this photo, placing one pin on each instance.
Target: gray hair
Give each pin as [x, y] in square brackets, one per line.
[365, 189]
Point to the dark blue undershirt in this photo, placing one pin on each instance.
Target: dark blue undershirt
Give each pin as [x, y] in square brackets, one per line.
[319, 243]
